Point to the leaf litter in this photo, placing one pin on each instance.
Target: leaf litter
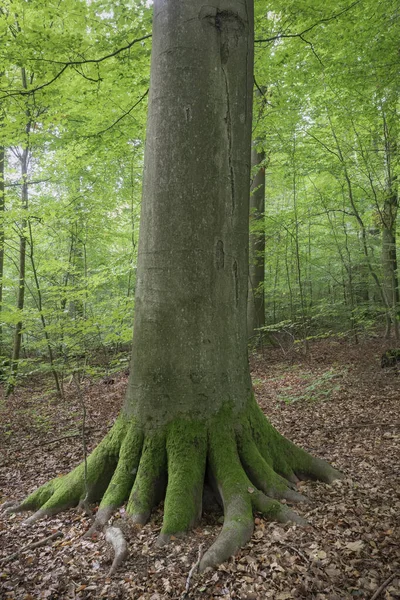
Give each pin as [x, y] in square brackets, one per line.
[337, 403]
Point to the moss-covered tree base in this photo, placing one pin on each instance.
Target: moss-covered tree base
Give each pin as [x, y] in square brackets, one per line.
[248, 463]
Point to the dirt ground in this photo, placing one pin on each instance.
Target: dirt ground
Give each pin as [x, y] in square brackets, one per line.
[337, 403]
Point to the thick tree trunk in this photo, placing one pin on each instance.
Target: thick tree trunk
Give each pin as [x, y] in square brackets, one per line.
[190, 349]
[255, 300]
[189, 403]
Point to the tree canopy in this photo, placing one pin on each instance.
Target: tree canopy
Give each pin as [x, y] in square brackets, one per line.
[78, 74]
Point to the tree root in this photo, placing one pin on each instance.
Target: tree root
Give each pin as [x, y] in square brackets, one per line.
[248, 463]
[115, 537]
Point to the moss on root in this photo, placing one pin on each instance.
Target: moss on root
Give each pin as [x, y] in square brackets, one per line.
[187, 451]
[249, 464]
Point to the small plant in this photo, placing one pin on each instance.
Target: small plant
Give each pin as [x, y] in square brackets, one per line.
[320, 388]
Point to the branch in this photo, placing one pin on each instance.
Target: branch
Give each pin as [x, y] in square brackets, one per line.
[384, 585]
[31, 546]
[73, 63]
[192, 570]
[280, 36]
[119, 118]
[312, 49]
[324, 145]
[48, 443]
[7, 185]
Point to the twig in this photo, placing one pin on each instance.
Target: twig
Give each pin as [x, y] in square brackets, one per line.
[31, 546]
[384, 585]
[7, 504]
[64, 437]
[280, 36]
[83, 503]
[191, 572]
[303, 556]
[70, 64]
[125, 114]
[361, 425]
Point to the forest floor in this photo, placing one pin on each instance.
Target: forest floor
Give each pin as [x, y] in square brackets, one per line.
[338, 404]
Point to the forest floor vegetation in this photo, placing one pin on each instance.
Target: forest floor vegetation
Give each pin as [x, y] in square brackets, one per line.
[337, 403]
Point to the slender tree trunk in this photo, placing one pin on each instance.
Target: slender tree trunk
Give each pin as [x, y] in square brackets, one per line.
[39, 305]
[297, 255]
[389, 263]
[2, 239]
[389, 224]
[2, 233]
[256, 297]
[24, 160]
[189, 402]
[363, 230]
[16, 351]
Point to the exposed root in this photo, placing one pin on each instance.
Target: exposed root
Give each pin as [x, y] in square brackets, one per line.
[186, 452]
[115, 537]
[149, 477]
[102, 517]
[6, 506]
[249, 465]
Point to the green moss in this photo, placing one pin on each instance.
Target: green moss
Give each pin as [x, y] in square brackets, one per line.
[149, 478]
[186, 452]
[223, 456]
[39, 496]
[270, 443]
[271, 509]
[124, 475]
[66, 491]
[285, 457]
[258, 470]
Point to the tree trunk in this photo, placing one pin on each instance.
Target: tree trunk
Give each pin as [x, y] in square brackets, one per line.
[255, 300]
[24, 160]
[389, 263]
[16, 350]
[189, 403]
[2, 209]
[389, 224]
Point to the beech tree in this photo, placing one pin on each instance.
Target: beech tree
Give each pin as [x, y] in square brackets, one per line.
[190, 415]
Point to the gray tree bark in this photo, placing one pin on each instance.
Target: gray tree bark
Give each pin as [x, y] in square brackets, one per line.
[190, 348]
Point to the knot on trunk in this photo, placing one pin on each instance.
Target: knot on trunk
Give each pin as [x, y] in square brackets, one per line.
[228, 24]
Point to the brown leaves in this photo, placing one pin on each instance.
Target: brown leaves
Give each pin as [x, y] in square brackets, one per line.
[349, 550]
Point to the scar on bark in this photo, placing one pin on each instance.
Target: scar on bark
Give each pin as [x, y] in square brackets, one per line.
[219, 255]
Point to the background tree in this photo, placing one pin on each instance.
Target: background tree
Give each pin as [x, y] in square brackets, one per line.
[255, 300]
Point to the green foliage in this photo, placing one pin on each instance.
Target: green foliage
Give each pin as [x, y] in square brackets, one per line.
[74, 78]
[84, 180]
[329, 121]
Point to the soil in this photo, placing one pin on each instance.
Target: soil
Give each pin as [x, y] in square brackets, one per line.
[337, 402]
